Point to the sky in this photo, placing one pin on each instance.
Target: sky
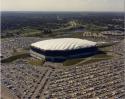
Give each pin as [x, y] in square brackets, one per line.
[62, 5]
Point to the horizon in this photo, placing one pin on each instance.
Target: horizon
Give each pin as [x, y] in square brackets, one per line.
[66, 11]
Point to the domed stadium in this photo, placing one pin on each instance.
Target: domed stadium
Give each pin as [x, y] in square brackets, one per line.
[61, 49]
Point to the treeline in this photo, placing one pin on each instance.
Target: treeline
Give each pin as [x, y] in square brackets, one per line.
[38, 20]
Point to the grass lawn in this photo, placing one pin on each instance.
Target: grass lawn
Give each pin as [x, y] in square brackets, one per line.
[87, 60]
[15, 56]
[36, 62]
[72, 61]
[97, 58]
[30, 32]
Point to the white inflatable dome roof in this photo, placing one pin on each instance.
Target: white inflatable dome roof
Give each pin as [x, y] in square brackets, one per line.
[63, 44]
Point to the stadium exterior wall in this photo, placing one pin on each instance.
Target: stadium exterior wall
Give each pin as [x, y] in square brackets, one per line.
[61, 55]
